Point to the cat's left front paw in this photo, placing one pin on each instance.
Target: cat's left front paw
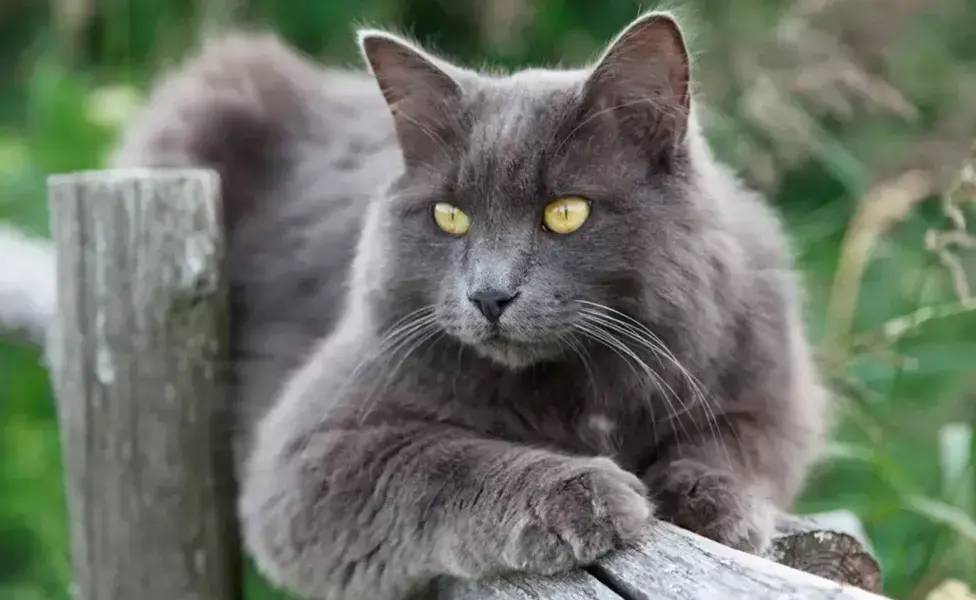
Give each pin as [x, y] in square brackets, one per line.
[712, 503]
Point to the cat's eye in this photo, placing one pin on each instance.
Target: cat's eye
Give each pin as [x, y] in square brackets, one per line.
[566, 215]
[451, 219]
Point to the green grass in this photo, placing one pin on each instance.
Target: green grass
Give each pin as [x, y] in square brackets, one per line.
[904, 451]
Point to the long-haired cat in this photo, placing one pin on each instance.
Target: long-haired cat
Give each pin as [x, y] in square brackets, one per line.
[485, 323]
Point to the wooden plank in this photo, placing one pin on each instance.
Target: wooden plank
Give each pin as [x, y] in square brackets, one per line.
[676, 564]
[577, 585]
[832, 545]
[817, 556]
[139, 332]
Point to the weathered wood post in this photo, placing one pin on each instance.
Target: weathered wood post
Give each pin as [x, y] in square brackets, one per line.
[137, 342]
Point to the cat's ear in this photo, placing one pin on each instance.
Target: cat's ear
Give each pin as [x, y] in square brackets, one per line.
[418, 88]
[642, 80]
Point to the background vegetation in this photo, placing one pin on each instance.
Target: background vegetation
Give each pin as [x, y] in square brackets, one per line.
[855, 117]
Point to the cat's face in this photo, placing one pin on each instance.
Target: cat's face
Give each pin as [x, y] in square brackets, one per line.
[530, 201]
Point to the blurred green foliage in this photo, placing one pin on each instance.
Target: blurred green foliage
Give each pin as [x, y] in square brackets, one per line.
[822, 104]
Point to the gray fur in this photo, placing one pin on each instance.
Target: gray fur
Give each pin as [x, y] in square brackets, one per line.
[367, 468]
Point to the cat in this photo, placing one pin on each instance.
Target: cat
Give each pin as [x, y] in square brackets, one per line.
[488, 323]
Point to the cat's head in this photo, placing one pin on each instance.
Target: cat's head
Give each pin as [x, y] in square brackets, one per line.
[529, 199]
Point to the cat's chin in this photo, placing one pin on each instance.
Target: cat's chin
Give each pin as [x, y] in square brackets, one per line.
[515, 355]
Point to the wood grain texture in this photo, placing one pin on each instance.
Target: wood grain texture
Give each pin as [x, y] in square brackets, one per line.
[578, 585]
[830, 545]
[823, 556]
[676, 564]
[139, 335]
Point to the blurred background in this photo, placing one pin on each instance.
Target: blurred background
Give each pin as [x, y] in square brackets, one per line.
[856, 117]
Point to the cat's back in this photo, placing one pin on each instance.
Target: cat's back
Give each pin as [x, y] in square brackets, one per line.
[300, 151]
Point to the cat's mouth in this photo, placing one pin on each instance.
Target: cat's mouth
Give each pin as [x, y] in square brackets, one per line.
[516, 340]
[511, 349]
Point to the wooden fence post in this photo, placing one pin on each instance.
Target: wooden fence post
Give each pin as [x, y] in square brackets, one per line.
[139, 338]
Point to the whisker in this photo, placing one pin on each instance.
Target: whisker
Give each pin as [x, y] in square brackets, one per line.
[658, 383]
[395, 334]
[413, 341]
[597, 332]
[404, 326]
[580, 351]
[707, 403]
[641, 334]
[622, 329]
[614, 349]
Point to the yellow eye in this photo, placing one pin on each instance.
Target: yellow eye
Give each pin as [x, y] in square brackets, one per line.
[566, 215]
[451, 218]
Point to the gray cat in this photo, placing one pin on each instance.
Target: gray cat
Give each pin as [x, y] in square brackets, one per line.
[488, 323]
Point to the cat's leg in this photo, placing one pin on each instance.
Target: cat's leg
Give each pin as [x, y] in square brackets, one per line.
[375, 512]
[711, 487]
[742, 452]
[726, 475]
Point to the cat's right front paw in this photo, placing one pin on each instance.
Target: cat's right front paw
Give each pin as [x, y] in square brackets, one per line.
[576, 513]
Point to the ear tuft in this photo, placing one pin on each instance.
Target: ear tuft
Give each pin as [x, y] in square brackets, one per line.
[644, 77]
[403, 69]
[417, 87]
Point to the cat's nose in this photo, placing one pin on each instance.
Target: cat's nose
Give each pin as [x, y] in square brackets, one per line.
[492, 303]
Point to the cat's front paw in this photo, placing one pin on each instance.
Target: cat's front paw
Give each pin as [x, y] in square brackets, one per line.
[575, 513]
[712, 503]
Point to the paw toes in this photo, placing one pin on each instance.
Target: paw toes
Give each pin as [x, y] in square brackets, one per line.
[715, 505]
[583, 517]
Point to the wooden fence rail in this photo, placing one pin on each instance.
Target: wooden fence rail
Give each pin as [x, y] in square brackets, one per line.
[135, 342]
